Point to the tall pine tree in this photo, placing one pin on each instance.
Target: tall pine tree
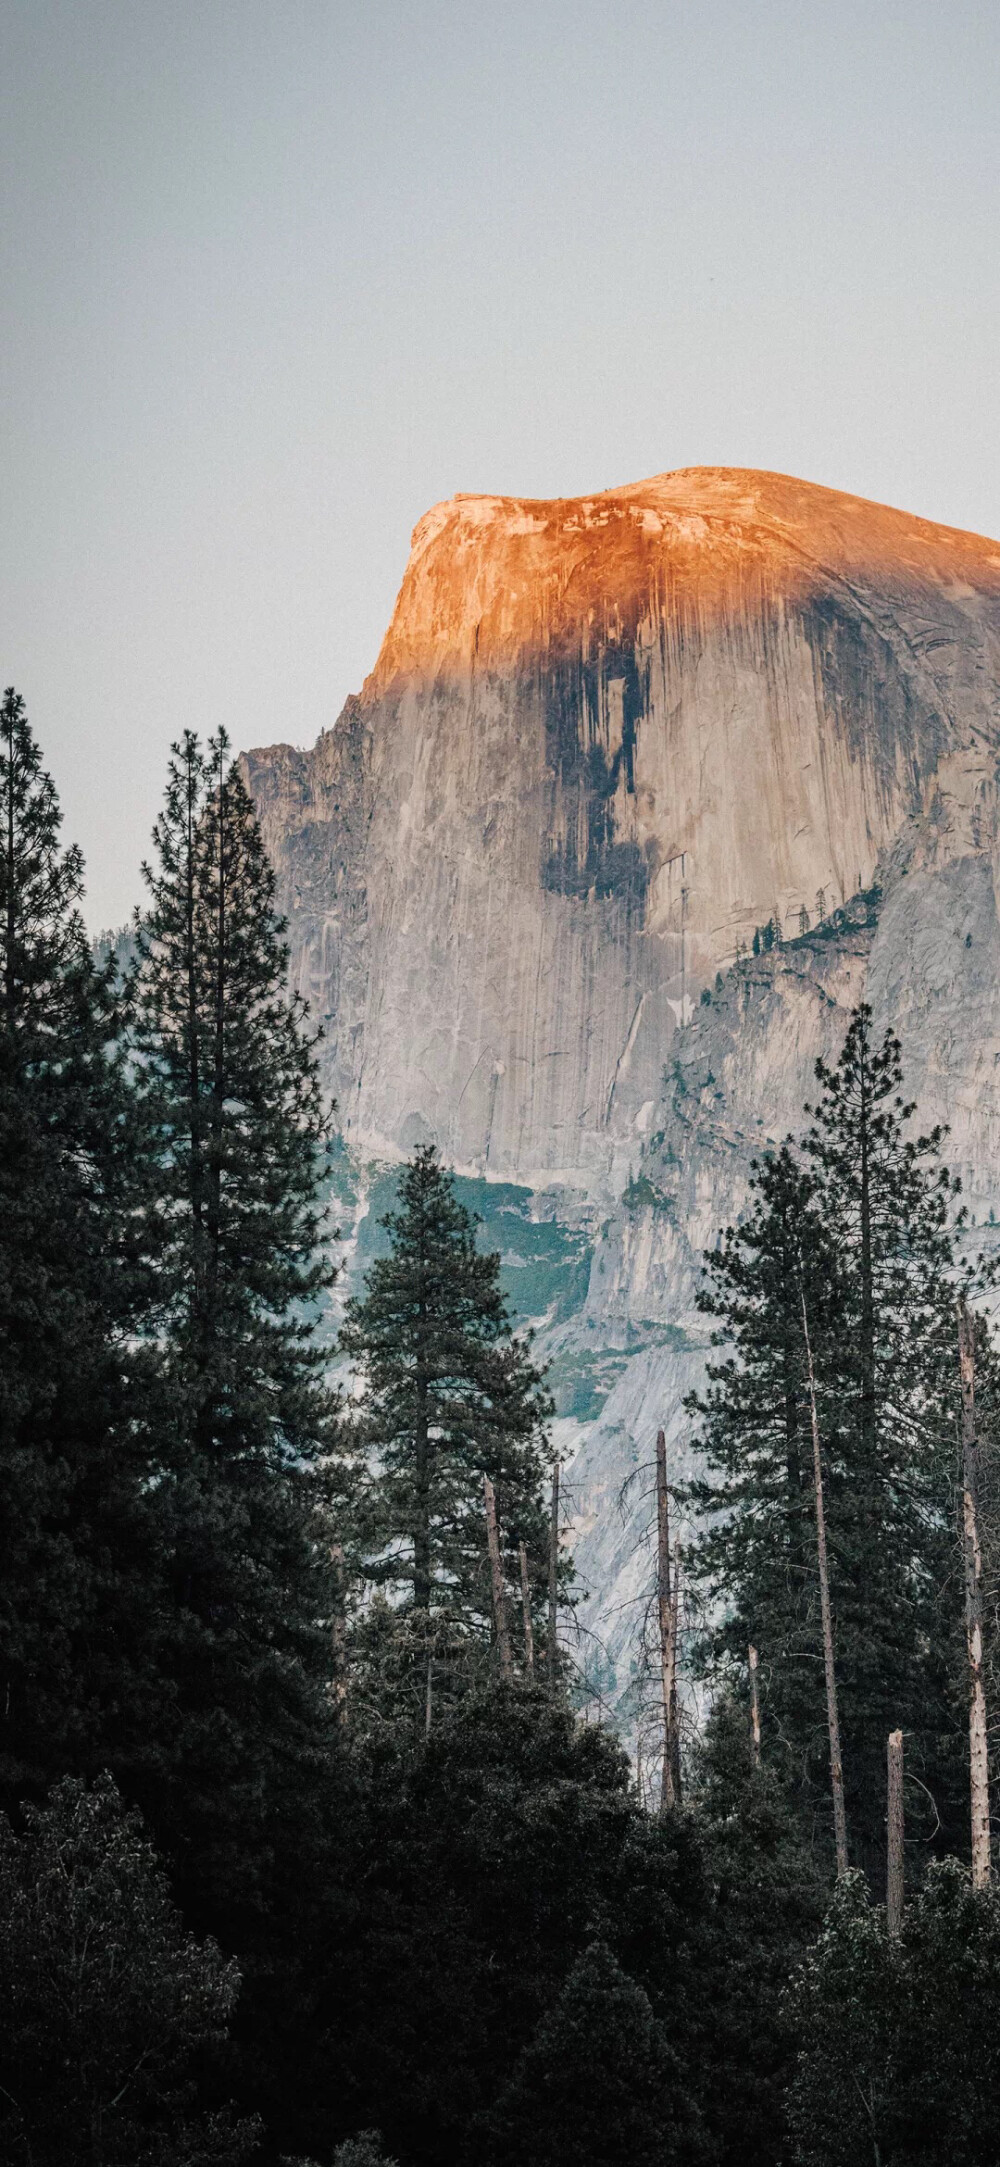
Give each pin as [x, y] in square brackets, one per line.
[74, 1528]
[854, 1242]
[887, 1392]
[756, 1560]
[232, 1226]
[450, 1394]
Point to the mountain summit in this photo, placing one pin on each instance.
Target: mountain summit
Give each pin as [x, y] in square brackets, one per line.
[604, 740]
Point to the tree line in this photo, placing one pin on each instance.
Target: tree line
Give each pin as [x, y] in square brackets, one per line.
[306, 1853]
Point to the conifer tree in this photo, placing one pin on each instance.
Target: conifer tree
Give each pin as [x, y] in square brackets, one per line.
[599, 2083]
[232, 1226]
[756, 1560]
[767, 1910]
[73, 1525]
[451, 1395]
[887, 1398]
[857, 1234]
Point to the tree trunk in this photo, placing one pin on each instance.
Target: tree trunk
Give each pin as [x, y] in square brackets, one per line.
[832, 1716]
[978, 1761]
[500, 1625]
[665, 1609]
[552, 1638]
[894, 1858]
[754, 1706]
[867, 1281]
[529, 1638]
[338, 1635]
[675, 1642]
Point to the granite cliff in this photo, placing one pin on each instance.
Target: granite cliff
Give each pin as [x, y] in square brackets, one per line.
[605, 741]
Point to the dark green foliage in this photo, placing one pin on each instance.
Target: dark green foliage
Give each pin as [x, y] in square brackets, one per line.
[108, 2009]
[491, 1855]
[767, 1909]
[900, 2061]
[74, 1544]
[235, 1123]
[236, 1769]
[599, 2082]
[887, 1405]
[859, 1231]
[364, 2150]
[757, 1557]
[450, 1395]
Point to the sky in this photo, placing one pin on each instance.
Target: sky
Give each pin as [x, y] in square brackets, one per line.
[277, 275]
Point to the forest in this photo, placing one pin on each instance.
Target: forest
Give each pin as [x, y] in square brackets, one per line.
[311, 1852]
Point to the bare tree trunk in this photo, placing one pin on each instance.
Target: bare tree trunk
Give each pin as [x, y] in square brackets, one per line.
[338, 1635]
[832, 1717]
[675, 1642]
[529, 1637]
[665, 1609]
[552, 1641]
[978, 1762]
[894, 1862]
[754, 1706]
[496, 1573]
[429, 1694]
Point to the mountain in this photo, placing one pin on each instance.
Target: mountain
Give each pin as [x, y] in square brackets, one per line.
[606, 742]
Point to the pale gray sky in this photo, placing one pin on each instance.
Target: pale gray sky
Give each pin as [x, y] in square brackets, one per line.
[278, 274]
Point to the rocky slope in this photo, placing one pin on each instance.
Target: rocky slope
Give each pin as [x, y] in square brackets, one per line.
[604, 741]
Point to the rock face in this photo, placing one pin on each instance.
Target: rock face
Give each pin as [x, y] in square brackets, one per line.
[606, 740]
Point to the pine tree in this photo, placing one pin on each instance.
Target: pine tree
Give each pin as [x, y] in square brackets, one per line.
[887, 1393]
[451, 1395]
[855, 1243]
[599, 2083]
[74, 1527]
[756, 1560]
[767, 1901]
[232, 1226]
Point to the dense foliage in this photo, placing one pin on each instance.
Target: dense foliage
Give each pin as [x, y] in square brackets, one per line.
[294, 1867]
[451, 1396]
[846, 1254]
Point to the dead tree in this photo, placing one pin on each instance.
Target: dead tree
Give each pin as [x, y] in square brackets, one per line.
[667, 1618]
[500, 1625]
[552, 1641]
[675, 1642]
[832, 1717]
[894, 1830]
[529, 1638]
[978, 1763]
[754, 1706]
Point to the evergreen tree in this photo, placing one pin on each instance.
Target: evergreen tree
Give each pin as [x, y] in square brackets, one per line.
[854, 1244]
[488, 1857]
[767, 1901]
[107, 2007]
[756, 1559]
[74, 1527]
[451, 1395]
[599, 2083]
[887, 1405]
[233, 1772]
